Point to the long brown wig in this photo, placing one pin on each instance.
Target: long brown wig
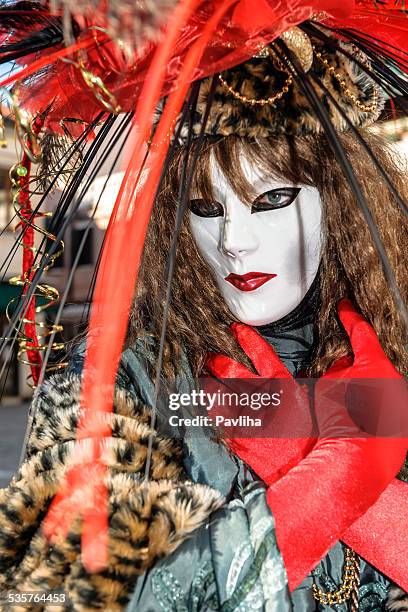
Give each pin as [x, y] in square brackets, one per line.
[199, 319]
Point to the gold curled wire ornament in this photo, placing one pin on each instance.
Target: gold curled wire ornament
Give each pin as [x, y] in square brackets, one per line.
[259, 101]
[45, 291]
[99, 90]
[24, 129]
[27, 139]
[15, 175]
[96, 85]
[21, 185]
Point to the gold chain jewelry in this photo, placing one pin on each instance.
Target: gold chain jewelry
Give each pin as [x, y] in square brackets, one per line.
[366, 108]
[253, 101]
[351, 576]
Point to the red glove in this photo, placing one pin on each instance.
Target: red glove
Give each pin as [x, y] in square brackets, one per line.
[341, 477]
[270, 458]
[380, 535]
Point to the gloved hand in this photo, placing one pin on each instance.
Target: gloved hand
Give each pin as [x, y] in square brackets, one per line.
[291, 423]
[341, 477]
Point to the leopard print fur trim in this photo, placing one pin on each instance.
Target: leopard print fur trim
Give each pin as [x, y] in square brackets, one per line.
[147, 520]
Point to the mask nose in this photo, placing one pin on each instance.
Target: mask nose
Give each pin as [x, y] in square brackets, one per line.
[237, 238]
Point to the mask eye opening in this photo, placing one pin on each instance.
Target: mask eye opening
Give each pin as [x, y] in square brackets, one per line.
[206, 208]
[284, 196]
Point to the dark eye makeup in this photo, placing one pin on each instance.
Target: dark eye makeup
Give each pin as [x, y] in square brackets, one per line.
[270, 200]
[274, 199]
[206, 208]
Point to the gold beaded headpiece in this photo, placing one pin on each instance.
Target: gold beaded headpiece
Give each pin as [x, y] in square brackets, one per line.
[263, 97]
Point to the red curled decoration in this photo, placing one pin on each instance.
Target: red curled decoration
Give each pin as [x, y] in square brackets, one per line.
[26, 212]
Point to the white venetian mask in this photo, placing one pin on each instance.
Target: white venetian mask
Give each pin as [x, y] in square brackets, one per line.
[264, 256]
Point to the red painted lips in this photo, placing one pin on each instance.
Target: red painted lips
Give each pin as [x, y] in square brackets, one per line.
[249, 281]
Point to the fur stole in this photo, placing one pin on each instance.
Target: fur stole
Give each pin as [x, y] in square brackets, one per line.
[147, 520]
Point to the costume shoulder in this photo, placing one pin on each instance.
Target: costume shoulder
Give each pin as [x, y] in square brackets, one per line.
[147, 519]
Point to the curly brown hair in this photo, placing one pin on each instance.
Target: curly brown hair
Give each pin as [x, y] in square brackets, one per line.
[199, 319]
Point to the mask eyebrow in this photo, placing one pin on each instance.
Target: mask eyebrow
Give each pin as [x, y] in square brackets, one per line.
[244, 176]
[271, 183]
